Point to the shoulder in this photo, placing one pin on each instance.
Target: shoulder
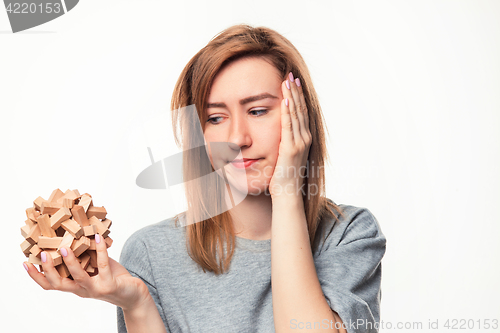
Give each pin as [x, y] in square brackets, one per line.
[350, 225]
[151, 238]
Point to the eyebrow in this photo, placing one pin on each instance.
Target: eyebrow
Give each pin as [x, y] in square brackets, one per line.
[243, 101]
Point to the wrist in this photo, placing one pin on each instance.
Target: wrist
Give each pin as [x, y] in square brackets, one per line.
[141, 309]
[285, 200]
[144, 318]
[142, 297]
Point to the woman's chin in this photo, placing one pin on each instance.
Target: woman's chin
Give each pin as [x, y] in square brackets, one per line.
[253, 188]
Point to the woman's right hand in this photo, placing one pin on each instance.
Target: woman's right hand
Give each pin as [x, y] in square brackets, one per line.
[112, 284]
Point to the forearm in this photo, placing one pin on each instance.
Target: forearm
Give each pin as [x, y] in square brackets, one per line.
[297, 293]
[144, 319]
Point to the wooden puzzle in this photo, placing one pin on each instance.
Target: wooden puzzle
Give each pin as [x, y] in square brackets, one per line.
[66, 219]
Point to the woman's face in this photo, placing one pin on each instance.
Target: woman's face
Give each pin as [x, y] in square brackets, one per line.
[244, 109]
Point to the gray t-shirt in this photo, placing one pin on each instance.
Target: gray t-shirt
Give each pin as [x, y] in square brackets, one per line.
[347, 260]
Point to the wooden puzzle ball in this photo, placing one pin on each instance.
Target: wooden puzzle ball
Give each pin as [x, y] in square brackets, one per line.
[66, 219]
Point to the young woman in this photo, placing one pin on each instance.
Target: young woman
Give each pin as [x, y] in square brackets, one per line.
[277, 256]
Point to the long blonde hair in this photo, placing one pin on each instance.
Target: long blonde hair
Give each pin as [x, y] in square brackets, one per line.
[206, 239]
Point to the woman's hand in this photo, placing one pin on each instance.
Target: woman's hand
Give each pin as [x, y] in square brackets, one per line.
[112, 284]
[295, 142]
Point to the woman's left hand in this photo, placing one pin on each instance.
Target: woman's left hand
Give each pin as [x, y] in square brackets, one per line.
[295, 142]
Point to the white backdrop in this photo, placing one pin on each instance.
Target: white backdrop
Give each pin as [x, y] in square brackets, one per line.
[410, 92]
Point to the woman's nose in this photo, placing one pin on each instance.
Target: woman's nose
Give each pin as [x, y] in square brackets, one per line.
[240, 132]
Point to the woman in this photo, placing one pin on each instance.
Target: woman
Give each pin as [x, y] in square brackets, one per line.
[212, 268]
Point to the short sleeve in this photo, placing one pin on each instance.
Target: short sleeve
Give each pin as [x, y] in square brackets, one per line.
[349, 269]
[135, 258]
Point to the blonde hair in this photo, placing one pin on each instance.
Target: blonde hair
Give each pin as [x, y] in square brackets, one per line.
[206, 239]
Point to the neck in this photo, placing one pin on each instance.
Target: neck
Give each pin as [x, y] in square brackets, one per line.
[252, 217]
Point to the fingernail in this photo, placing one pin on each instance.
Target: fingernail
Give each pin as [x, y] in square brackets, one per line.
[25, 266]
[97, 238]
[287, 84]
[44, 257]
[286, 101]
[290, 76]
[64, 252]
[297, 82]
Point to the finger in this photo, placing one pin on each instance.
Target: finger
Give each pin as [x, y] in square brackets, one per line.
[80, 277]
[293, 110]
[291, 124]
[50, 271]
[286, 120]
[58, 282]
[102, 258]
[305, 112]
[38, 277]
[299, 107]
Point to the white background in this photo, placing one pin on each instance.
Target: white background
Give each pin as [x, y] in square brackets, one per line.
[410, 91]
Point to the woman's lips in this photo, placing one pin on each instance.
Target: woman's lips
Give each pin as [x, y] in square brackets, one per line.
[246, 163]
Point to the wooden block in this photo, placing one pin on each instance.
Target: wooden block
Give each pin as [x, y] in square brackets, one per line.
[85, 202]
[84, 260]
[26, 247]
[50, 208]
[56, 195]
[69, 194]
[79, 215]
[61, 215]
[75, 193]
[96, 271]
[92, 244]
[89, 230]
[34, 214]
[34, 260]
[38, 203]
[25, 229]
[49, 242]
[41, 268]
[101, 230]
[93, 257]
[36, 251]
[80, 245]
[56, 257]
[44, 224]
[73, 228]
[108, 241]
[29, 211]
[90, 269]
[68, 203]
[34, 234]
[66, 241]
[99, 212]
[106, 223]
[63, 271]
[29, 223]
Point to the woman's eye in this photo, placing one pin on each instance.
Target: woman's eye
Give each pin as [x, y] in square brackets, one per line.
[262, 111]
[211, 120]
[257, 112]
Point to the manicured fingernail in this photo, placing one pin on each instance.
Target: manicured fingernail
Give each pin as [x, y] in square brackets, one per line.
[287, 84]
[97, 238]
[297, 82]
[44, 257]
[25, 266]
[64, 252]
[290, 76]
[286, 101]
